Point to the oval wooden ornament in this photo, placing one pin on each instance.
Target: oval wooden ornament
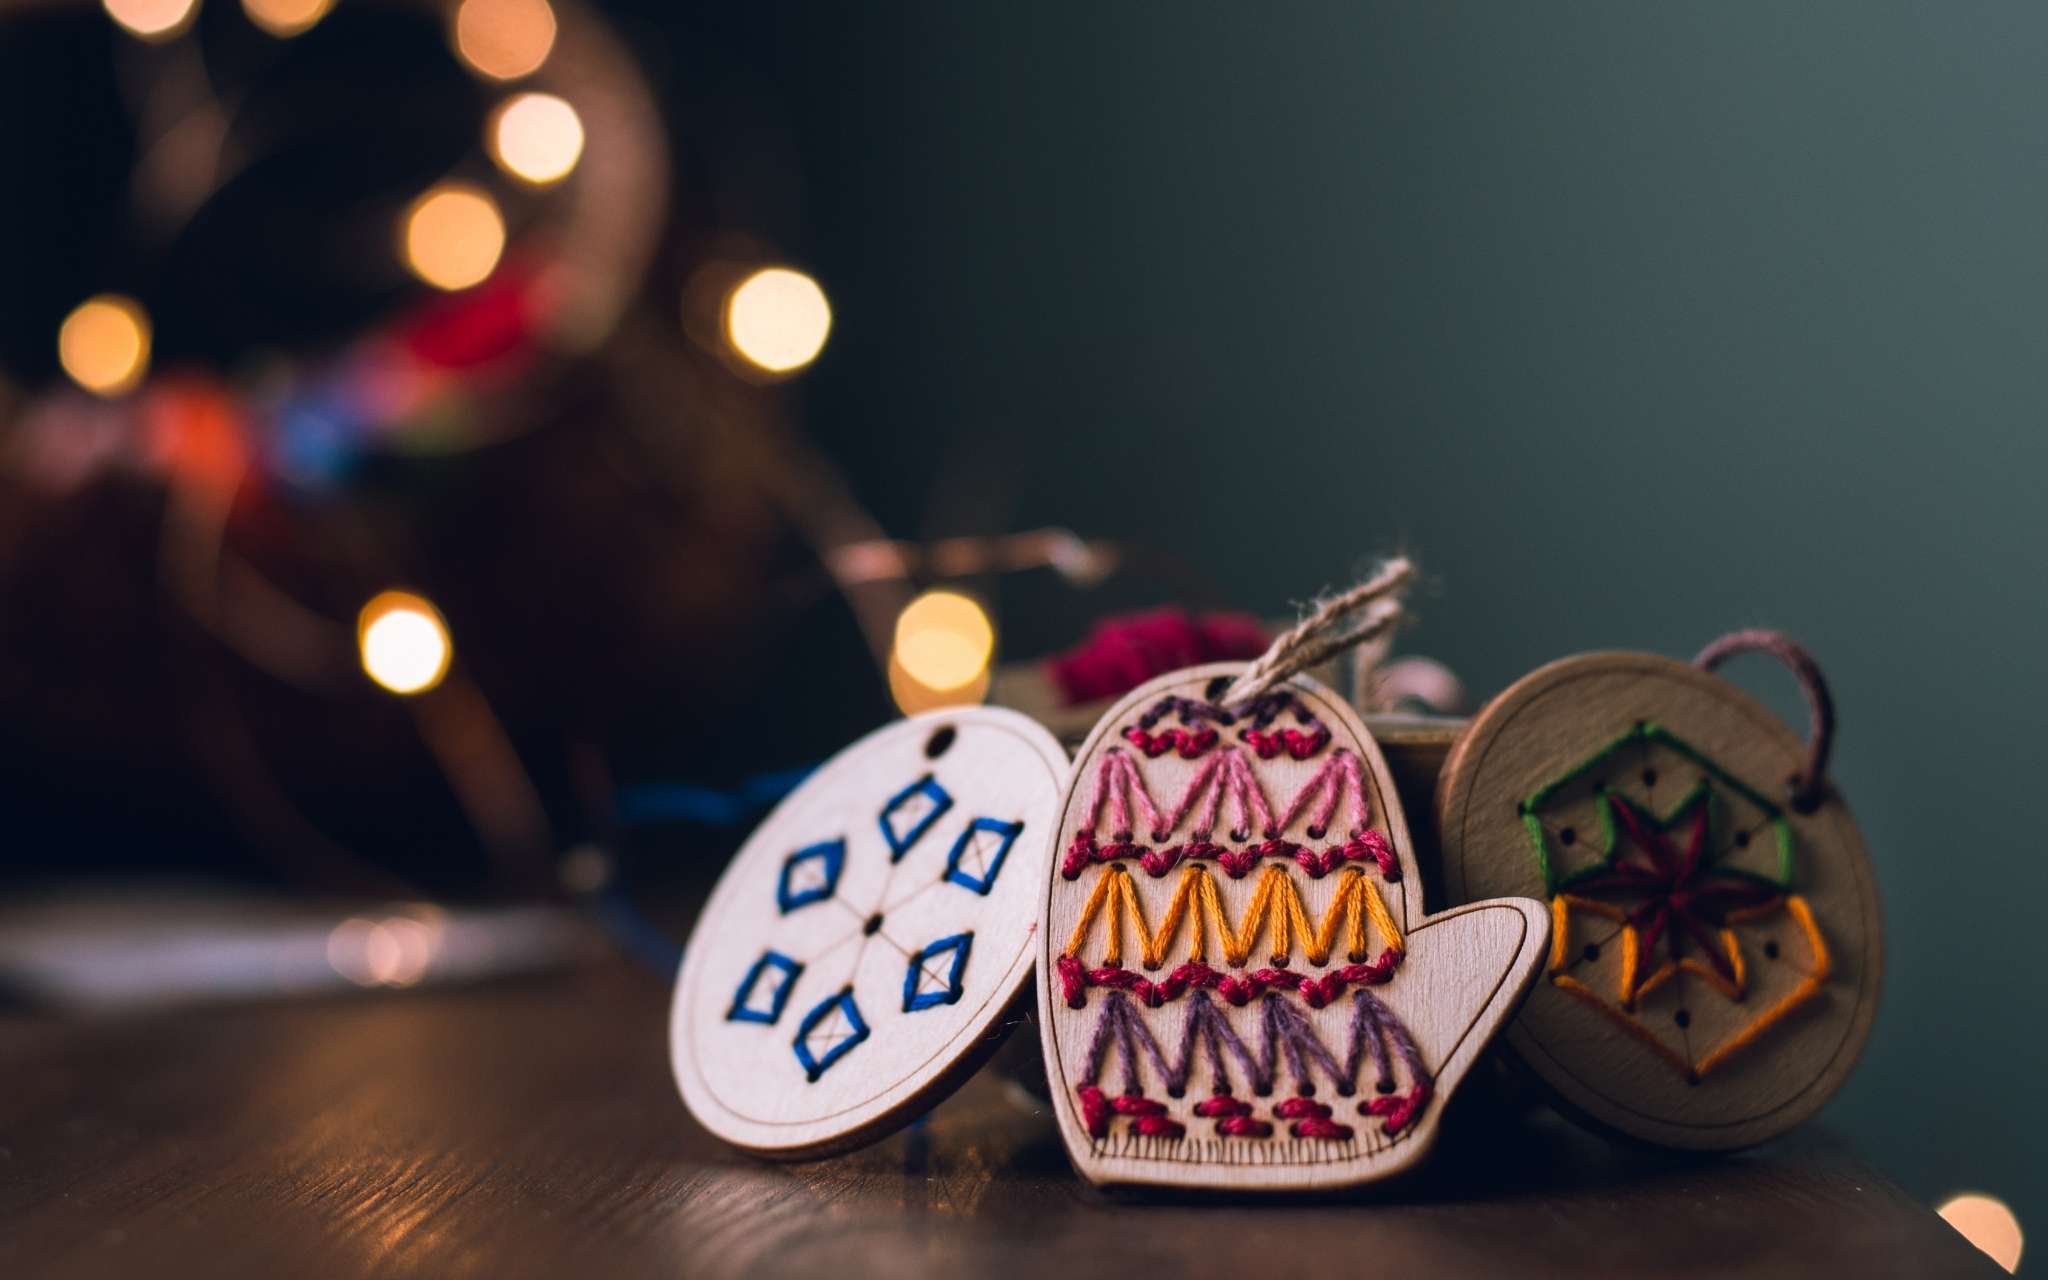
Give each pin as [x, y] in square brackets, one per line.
[1239, 986]
[1627, 789]
[855, 962]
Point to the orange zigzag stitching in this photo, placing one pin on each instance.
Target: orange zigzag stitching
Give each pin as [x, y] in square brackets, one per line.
[1632, 989]
[1275, 908]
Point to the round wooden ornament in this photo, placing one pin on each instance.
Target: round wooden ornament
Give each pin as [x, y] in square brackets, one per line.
[1715, 940]
[855, 962]
[1239, 985]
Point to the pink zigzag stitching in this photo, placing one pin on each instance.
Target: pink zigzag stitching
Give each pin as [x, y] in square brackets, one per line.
[1120, 786]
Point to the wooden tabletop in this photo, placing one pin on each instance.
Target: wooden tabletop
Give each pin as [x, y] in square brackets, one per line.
[533, 1129]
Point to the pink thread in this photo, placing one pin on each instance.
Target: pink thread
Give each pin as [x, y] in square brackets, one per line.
[1311, 1119]
[1293, 741]
[1186, 743]
[1397, 1110]
[1124, 652]
[1340, 771]
[1205, 821]
[1810, 787]
[1133, 786]
[1148, 1116]
[1251, 799]
[1233, 1117]
[1105, 775]
[1076, 978]
[1369, 846]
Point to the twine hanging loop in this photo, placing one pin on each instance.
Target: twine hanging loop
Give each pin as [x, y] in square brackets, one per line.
[1352, 617]
[1810, 785]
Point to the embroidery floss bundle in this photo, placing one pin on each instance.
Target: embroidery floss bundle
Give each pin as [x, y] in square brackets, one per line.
[1239, 985]
[1715, 941]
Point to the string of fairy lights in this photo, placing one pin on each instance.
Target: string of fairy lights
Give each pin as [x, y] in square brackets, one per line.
[774, 320]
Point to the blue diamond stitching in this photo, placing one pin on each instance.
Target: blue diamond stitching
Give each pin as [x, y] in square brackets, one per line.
[744, 1008]
[918, 993]
[973, 853]
[810, 874]
[838, 1039]
[934, 800]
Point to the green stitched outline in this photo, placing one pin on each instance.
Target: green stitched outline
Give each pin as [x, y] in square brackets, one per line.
[1648, 732]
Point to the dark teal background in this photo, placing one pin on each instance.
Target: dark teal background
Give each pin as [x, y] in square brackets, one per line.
[1634, 323]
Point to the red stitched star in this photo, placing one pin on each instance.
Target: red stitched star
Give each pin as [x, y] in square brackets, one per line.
[1682, 896]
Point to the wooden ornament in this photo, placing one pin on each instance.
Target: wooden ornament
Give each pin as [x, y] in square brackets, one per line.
[1715, 947]
[856, 960]
[1238, 986]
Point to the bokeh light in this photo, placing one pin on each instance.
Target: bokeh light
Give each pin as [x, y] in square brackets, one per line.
[404, 642]
[1986, 1222]
[453, 236]
[392, 952]
[285, 18]
[778, 319]
[504, 39]
[152, 19]
[944, 640]
[537, 137]
[912, 697]
[104, 344]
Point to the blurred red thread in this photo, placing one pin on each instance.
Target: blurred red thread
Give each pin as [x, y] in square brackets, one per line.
[478, 326]
[1124, 652]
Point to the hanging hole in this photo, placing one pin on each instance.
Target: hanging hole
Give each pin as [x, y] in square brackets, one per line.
[1176, 1091]
[1383, 1086]
[1683, 1018]
[942, 737]
[1214, 689]
[1568, 837]
[1649, 777]
[1305, 1089]
[1771, 950]
[1742, 839]
[1591, 953]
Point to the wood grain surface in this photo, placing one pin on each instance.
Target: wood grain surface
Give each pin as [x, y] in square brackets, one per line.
[1687, 1061]
[534, 1130]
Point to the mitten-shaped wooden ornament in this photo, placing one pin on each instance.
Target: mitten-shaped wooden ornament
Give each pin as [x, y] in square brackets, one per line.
[1239, 985]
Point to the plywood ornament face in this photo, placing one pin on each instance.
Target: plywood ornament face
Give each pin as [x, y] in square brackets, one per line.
[855, 961]
[1239, 987]
[1715, 952]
